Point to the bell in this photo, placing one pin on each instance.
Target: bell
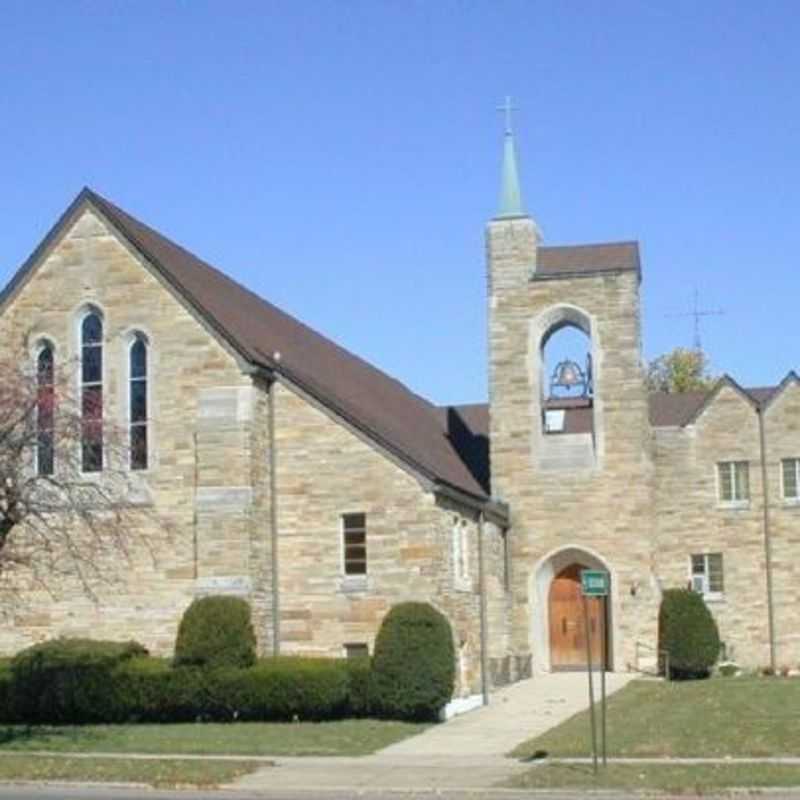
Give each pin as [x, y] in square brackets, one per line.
[567, 375]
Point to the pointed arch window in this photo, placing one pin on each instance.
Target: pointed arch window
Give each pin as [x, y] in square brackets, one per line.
[92, 392]
[137, 403]
[45, 410]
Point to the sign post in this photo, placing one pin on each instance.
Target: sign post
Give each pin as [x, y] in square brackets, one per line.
[594, 583]
[591, 682]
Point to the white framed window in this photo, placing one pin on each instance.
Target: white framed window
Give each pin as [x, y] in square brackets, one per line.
[460, 534]
[138, 402]
[733, 483]
[790, 479]
[354, 543]
[707, 575]
[45, 410]
[91, 374]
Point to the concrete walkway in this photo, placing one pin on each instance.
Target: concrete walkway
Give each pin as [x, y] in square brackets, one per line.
[467, 752]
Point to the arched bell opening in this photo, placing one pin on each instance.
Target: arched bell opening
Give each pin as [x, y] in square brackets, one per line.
[567, 379]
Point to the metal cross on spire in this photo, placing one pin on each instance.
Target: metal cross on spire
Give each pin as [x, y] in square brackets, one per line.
[697, 313]
[507, 109]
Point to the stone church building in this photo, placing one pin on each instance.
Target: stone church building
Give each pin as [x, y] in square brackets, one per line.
[323, 490]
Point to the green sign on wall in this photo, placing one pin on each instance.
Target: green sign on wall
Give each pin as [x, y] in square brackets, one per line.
[594, 582]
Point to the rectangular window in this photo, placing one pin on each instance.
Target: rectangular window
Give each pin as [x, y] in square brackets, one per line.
[791, 478]
[554, 420]
[734, 482]
[460, 549]
[354, 532]
[707, 578]
[356, 650]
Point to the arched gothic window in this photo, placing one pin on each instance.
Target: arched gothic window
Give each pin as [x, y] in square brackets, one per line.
[92, 392]
[45, 410]
[137, 402]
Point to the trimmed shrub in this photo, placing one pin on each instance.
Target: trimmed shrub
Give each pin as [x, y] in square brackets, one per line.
[688, 632]
[7, 709]
[413, 669]
[281, 689]
[70, 681]
[216, 632]
[358, 675]
[79, 681]
[154, 691]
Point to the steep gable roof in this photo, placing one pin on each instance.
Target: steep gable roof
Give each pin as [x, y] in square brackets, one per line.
[399, 420]
[683, 408]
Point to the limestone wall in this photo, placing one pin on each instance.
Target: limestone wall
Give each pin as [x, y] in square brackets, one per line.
[693, 520]
[200, 409]
[325, 470]
[782, 435]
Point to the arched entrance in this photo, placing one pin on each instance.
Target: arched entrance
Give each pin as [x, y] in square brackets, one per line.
[568, 613]
[556, 612]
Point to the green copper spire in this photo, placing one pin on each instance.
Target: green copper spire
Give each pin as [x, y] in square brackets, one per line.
[510, 195]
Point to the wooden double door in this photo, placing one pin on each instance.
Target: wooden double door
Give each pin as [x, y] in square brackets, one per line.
[568, 622]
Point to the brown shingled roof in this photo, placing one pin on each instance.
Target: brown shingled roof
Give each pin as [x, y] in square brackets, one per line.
[674, 409]
[383, 408]
[666, 410]
[587, 259]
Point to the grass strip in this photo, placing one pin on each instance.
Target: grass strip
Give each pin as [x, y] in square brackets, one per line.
[340, 738]
[206, 773]
[694, 779]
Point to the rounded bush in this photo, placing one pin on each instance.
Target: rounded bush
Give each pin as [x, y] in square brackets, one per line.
[70, 681]
[688, 633]
[413, 668]
[215, 632]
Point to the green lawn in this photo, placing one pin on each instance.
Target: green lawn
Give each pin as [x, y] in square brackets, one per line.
[713, 718]
[693, 779]
[206, 773]
[343, 738]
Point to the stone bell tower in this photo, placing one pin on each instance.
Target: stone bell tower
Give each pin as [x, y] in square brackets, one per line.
[577, 473]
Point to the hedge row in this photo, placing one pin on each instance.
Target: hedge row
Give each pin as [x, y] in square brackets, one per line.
[215, 675]
[61, 690]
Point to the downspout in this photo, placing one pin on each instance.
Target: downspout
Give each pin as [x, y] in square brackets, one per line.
[273, 523]
[767, 537]
[483, 622]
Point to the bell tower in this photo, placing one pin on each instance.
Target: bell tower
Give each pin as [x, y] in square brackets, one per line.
[569, 436]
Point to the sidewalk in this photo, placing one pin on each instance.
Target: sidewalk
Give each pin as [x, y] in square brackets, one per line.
[468, 752]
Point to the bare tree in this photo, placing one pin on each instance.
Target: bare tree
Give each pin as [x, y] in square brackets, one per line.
[69, 504]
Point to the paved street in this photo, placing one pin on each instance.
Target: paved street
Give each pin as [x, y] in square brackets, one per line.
[110, 793]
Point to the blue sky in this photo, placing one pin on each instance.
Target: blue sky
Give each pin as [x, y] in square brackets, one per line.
[342, 158]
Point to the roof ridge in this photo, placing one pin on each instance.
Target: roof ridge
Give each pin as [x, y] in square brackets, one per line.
[117, 211]
[383, 406]
[612, 243]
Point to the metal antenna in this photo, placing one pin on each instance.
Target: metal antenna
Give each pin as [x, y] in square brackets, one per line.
[697, 314]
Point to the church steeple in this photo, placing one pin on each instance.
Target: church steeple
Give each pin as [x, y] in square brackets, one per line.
[512, 236]
[510, 194]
